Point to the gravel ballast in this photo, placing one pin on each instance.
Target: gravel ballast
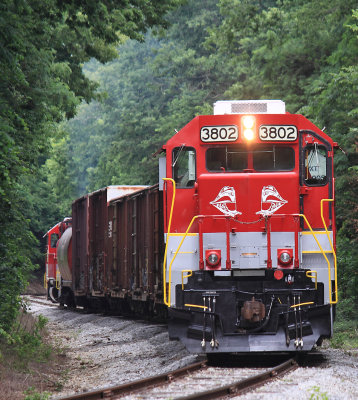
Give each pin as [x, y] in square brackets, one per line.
[102, 351]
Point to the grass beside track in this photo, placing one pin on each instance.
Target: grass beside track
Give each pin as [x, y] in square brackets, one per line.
[30, 366]
[345, 335]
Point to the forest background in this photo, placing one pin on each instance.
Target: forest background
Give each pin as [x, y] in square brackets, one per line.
[90, 90]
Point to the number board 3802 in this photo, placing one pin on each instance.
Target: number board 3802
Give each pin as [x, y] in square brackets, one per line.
[278, 132]
[224, 133]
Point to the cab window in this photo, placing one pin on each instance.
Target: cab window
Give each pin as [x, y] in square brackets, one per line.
[54, 239]
[273, 158]
[184, 166]
[228, 158]
[315, 171]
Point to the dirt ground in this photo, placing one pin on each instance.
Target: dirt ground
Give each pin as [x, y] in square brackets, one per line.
[101, 351]
[91, 351]
[38, 376]
[36, 286]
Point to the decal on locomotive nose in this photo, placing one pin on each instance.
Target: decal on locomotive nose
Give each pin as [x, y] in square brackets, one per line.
[270, 196]
[226, 197]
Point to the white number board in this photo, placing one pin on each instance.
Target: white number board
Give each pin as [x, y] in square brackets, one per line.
[225, 133]
[278, 132]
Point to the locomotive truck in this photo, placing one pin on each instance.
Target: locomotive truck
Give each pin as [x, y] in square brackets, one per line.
[236, 244]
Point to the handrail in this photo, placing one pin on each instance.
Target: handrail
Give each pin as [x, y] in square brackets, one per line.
[323, 252]
[45, 281]
[194, 305]
[309, 274]
[166, 302]
[301, 304]
[176, 253]
[186, 276]
[324, 255]
[334, 253]
[58, 280]
[168, 299]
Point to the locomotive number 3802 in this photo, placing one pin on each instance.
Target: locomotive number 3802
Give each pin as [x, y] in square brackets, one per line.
[227, 133]
[278, 132]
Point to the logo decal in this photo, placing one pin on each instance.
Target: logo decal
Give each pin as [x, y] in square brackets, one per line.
[225, 198]
[271, 196]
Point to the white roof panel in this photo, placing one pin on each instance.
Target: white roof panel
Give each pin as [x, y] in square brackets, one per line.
[249, 107]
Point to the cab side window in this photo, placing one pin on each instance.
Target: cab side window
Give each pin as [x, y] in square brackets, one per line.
[315, 167]
[54, 239]
[184, 166]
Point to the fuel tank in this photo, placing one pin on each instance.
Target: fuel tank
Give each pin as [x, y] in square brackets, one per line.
[64, 256]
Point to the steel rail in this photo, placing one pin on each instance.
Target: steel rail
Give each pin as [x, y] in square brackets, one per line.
[244, 385]
[235, 388]
[157, 380]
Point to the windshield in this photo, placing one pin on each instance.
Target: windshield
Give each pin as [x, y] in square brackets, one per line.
[262, 158]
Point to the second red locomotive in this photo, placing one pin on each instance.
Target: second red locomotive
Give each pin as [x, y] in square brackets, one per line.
[236, 243]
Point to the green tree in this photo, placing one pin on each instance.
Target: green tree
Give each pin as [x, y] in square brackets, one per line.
[152, 89]
[43, 45]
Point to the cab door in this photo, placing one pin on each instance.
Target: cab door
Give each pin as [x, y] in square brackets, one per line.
[316, 179]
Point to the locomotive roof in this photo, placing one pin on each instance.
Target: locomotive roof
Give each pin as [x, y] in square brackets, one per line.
[190, 133]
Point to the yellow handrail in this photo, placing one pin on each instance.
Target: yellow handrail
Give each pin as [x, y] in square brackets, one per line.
[45, 281]
[334, 253]
[186, 276]
[302, 304]
[166, 302]
[324, 255]
[194, 305]
[309, 275]
[176, 253]
[58, 280]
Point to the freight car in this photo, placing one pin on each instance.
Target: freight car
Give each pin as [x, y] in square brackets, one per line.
[52, 276]
[236, 243]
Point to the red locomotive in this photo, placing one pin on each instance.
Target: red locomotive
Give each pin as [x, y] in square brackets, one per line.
[52, 277]
[243, 218]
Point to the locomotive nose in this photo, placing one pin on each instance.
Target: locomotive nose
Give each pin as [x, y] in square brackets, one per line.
[236, 208]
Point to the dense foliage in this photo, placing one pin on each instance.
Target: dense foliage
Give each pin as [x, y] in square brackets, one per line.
[303, 52]
[43, 45]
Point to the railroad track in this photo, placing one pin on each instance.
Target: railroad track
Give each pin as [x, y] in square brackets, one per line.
[208, 382]
[39, 299]
[195, 382]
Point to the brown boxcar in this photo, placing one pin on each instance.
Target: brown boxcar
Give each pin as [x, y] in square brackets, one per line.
[80, 246]
[90, 215]
[136, 249]
[97, 224]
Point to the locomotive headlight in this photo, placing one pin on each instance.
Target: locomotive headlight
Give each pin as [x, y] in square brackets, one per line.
[248, 134]
[213, 258]
[248, 121]
[248, 124]
[285, 257]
